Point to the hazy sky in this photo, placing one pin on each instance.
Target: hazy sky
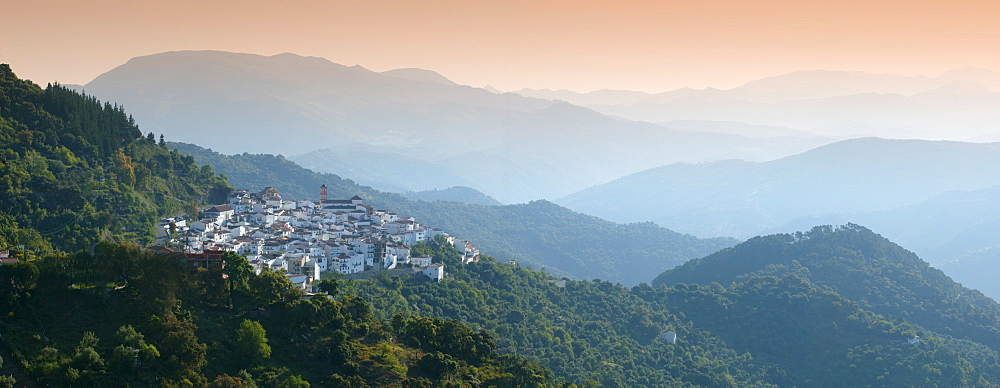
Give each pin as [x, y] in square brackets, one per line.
[575, 44]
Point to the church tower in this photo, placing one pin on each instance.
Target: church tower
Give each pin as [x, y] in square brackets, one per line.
[322, 193]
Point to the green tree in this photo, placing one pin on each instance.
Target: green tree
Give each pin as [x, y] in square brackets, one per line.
[251, 340]
[6, 381]
[183, 355]
[329, 286]
[272, 287]
[437, 366]
[15, 278]
[293, 381]
[238, 269]
[227, 381]
[133, 352]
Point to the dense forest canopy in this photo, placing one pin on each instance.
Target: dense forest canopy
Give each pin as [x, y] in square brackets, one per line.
[74, 169]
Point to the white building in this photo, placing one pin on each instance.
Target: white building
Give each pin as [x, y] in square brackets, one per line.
[434, 271]
[669, 337]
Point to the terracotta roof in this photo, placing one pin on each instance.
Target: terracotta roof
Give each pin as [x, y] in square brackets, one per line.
[219, 209]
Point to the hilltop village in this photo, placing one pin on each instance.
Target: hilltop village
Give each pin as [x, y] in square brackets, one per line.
[304, 237]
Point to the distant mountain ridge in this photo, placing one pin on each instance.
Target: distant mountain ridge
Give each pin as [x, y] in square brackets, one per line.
[500, 144]
[802, 84]
[419, 75]
[454, 194]
[737, 198]
[832, 103]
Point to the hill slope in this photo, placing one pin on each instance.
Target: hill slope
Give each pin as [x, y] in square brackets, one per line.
[861, 266]
[954, 231]
[75, 170]
[776, 328]
[454, 194]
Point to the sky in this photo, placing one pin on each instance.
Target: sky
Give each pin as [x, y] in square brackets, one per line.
[579, 45]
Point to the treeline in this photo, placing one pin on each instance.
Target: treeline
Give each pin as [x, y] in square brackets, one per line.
[73, 170]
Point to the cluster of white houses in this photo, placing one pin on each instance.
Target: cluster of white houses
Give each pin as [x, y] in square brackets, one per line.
[305, 238]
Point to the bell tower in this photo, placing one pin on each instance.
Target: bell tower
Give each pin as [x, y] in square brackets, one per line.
[322, 193]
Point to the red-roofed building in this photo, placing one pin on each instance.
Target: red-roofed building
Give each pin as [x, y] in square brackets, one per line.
[222, 212]
[209, 258]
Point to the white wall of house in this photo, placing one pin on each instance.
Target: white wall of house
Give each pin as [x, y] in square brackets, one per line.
[434, 271]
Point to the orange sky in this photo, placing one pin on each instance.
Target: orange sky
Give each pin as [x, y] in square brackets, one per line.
[574, 44]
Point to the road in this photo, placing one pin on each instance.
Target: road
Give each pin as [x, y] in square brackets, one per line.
[161, 233]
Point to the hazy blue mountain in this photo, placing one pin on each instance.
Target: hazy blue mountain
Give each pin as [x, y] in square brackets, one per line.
[454, 194]
[510, 147]
[803, 84]
[855, 115]
[291, 104]
[540, 234]
[382, 168]
[813, 84]
[833, 103]
[737, 198]
[748, 130]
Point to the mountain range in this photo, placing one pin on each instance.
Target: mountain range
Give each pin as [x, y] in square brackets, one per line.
[960, 104]
[935, 197]
[510, 147]
[739, 198]
[414, 130]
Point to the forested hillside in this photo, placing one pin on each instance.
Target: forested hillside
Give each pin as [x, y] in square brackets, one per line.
[774, 327]
[589, 332]
[540, 233]
[863, 268]
[763, 329]
[954, 231]
[73, 169]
